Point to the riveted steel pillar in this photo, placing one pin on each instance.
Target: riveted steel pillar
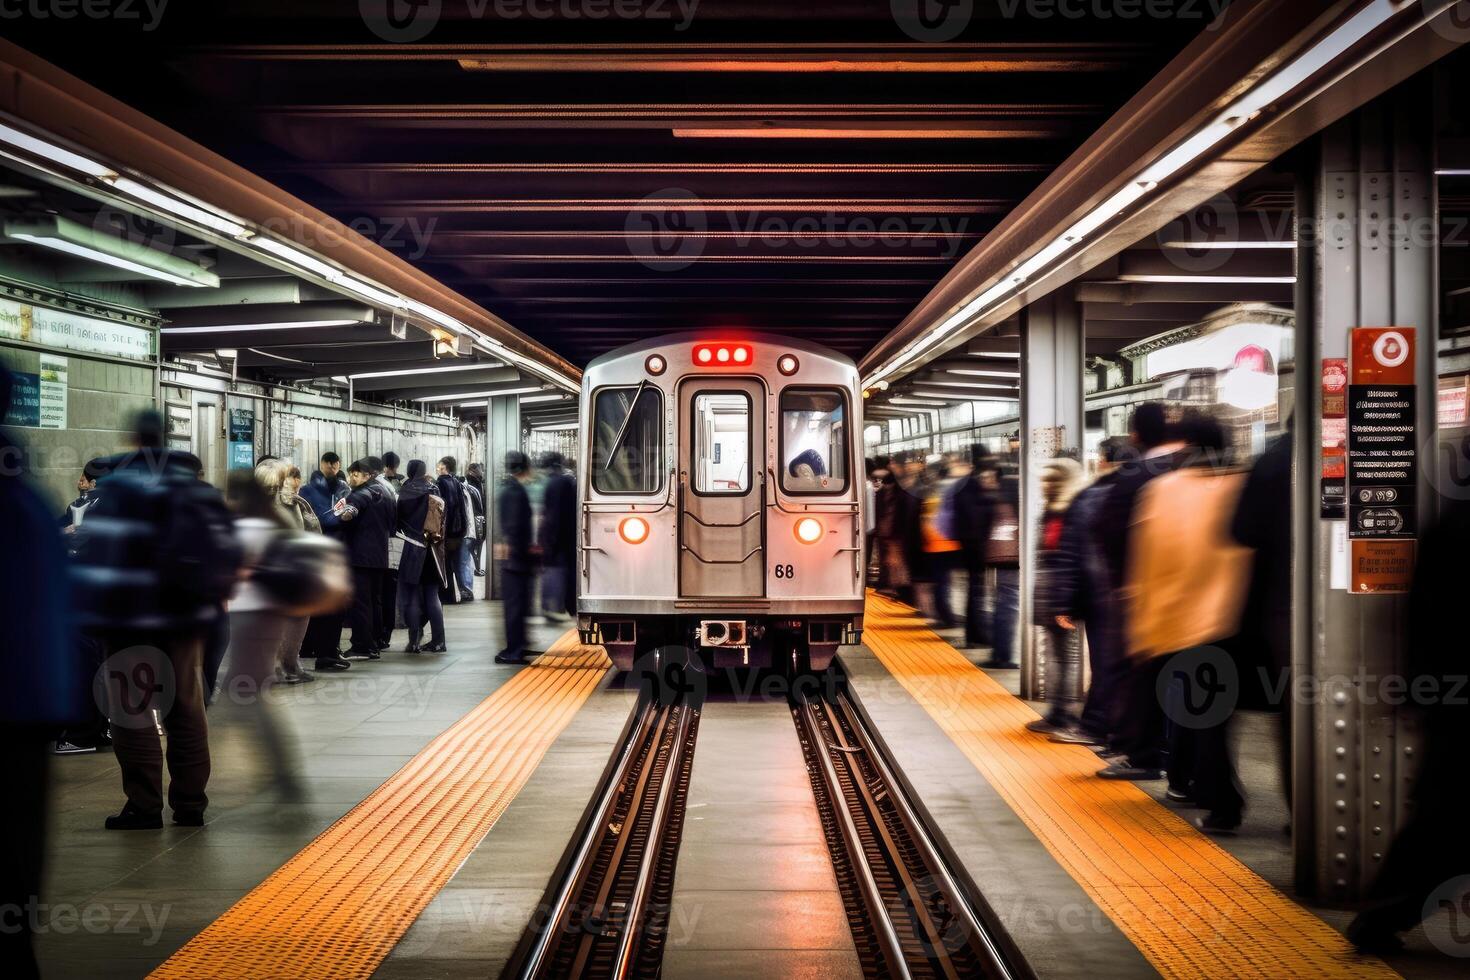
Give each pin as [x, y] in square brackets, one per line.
[502, 434]
[1051, 425]
[1374, 264]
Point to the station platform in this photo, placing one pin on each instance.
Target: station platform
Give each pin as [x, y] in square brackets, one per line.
[440, 794]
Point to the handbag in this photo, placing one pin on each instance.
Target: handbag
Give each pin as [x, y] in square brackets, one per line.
[305, 574]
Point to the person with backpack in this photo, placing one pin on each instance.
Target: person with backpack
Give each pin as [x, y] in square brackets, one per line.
[321, 493]
[158, 558]
[369, 518]
[456, 526]
[421, 573]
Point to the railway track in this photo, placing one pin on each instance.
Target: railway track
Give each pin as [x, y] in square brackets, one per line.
[909, 915]
[607, 914]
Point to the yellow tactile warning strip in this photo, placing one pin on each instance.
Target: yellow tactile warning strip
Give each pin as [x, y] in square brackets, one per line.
[1190, 907]
[339, 906]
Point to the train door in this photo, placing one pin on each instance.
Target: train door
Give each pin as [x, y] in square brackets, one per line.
[722, 451]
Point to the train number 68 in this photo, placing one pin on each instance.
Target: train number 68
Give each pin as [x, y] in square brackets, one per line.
[785, 571]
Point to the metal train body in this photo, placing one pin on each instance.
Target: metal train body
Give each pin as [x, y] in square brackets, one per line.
[720, 496]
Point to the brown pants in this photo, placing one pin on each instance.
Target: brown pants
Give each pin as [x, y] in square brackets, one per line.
[174, 687]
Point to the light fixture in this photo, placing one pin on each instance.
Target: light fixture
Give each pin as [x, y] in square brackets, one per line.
[655, 365]
[787, 364]
[1246, 108]
[552, 397]
[237, 327]
[968, 384]
[808, 530]
[976, 373]
[368, 290]
[49, 151]
[633, 530]
[443, 319]
[409, 372]
[557, 427]
[227, 353]
[469, 396]
[722, 354]
[64, 235]
[1010, 354]
[297, 257]
[1231, 245]
[182, 209]
[1206, 279]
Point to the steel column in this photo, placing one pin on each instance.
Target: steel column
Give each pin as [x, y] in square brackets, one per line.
[502, 434]
[1051, 425]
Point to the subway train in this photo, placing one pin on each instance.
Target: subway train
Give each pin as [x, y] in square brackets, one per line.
[721, 498]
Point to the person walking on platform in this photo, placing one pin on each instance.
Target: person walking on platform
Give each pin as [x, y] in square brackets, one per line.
[974, 510]
[388, 594]
[513, 506]
[322, 492]
[558, 539]
[1186, 590]
[421, 573]
[368, 518]
[45, 689]
[158, 559]
[1055, 608]
[940, 544]
[1003, 559]
[474, 530]
[475, 477]
[456, 526]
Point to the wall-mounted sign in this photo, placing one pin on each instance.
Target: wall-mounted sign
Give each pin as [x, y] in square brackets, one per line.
[72, 331]
[1383, 459]
[1334, 437]
[1454, 402]
[53, 392]
[25, 400]
[242, 439]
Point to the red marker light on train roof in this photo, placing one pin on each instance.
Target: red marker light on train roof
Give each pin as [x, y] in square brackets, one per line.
[722, 354]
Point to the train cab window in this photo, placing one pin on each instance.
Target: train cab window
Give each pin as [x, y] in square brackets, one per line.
[721, 442]
[628, 440]
[814, 438]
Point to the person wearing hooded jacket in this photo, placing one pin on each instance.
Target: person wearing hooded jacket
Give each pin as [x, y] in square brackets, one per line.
[421, 571]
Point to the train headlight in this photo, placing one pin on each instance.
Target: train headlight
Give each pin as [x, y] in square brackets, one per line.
[787, 364]
[633, 530]
[655, 364]
[808, 530]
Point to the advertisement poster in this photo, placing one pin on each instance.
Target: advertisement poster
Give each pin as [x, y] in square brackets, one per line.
[1334, 437]
[1382, 459]
[25, 400]
[53, 392]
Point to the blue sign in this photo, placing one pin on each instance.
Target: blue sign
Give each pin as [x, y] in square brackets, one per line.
[25, 400]
[242, 455]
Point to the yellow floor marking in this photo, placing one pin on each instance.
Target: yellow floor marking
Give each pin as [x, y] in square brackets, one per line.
[339, 906]
[1191, 908]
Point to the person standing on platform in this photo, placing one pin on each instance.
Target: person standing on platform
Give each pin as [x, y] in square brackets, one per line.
[474, 529]
[388, 597]
[368, 518]
[281, 480]
[475, 477]
[391, 462]
[322, 492]
[1003, 559]
[421, 573]
[558, 539]
[513, 506]
[45, 689]
[974, 511]
[76, 511]
[456, 526]
[1058, 565]
[941, 547]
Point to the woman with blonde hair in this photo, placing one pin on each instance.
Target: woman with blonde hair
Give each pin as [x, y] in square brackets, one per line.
[280, 479]
[1058, 563]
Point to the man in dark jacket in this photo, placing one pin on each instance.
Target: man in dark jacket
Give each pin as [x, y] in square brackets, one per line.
[558, 539]
[76, 511]
[974, 511]
[321, 492]
[513, 507]
[456, 526]
[369, 519]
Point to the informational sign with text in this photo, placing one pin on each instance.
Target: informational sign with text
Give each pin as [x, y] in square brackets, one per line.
[1382, 459]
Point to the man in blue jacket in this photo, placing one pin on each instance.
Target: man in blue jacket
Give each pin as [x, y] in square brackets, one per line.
[322, 492]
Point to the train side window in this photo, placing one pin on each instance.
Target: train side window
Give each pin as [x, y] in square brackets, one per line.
[721, 442]
[628, 440]
[814, 440]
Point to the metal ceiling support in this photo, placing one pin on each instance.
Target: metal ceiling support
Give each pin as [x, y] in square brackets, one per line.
[1051, 425]
[1376, 204]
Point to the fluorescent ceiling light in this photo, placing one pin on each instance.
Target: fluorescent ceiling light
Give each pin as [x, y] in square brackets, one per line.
[237, 327]
[1199, 246]
[553, 397]
[1452, 172]
[54, 153]
[469, 396]
[443, 319]
[297, 257]
[164, 202]
[557, 427]
[1261, 280]
[277, 357]
[406, 372]
[65, 235]
[968, 384]
[975, 373]
[374, 293]
[996, 353]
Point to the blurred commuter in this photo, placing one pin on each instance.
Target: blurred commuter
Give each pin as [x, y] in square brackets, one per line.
[1431, 850]
[457, 521]
[558, 540]
[158, 559]
[513, 508]
[1186, 586]
[322, 493]
[474, 530]
[1055, 607]
[369, 517]
[421, 573]
[76, 511]
[1095, 602]
[1003, 560]
[391, 462]
[388, 593]
[974, 510]
[898, 533]
[45, 689]
[941, 548]
[475, 477]
[870, 516]
[291, 512]
[1263, 523]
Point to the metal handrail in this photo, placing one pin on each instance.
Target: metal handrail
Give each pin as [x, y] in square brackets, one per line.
[723, 561]
[846, 506]
[751, 517]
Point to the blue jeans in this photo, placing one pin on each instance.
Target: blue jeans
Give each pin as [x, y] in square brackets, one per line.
[1007, 611]
[466, 570]
[420, 602]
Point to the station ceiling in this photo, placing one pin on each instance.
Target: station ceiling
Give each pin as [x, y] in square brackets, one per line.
[810, 168]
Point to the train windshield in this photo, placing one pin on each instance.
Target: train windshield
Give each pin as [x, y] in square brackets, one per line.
[813, 441]
[634, 464]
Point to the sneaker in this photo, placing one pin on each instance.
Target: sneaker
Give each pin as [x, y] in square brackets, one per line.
[506, 657]
[131, 819]
[332, 666]
[1043, 726]
[1216, 824]
[1074, 736]
[300, 677]
[63, 747]
[466, 597]
[439, 647]
[1178, 795]
[1122, 770]
[189, 818]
